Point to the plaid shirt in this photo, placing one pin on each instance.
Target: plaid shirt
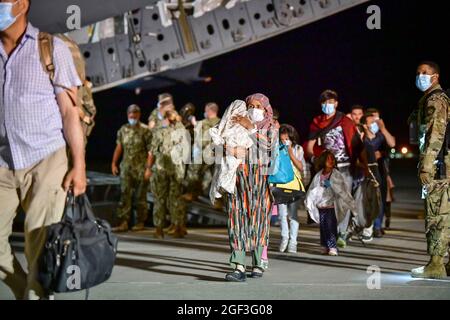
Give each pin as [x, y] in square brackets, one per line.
[30, 120]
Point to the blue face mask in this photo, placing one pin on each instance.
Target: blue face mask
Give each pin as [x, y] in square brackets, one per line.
[205, 115]
[328, 108]
[6, 17]
[374, 128]
[423, 82]
[132, 122]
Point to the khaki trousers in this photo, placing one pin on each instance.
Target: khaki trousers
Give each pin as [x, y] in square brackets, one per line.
[38, 190]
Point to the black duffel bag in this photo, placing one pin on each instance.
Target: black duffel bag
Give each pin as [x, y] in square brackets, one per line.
[80, 251]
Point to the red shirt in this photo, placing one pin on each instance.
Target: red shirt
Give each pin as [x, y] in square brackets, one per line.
[352, 141]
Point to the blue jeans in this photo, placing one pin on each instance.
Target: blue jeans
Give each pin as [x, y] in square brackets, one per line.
[378, 223]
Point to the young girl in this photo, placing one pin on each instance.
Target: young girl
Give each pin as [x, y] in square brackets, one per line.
[327, 201]
[289, 231]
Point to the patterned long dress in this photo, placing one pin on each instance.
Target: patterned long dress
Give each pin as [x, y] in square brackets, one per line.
[250, 206]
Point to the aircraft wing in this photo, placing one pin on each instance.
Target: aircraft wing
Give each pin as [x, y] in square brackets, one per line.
[51, 15]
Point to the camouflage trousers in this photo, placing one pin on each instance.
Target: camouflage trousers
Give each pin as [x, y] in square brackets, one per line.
[133, 187]
[198, 178]
[167, 191]
[437, 218]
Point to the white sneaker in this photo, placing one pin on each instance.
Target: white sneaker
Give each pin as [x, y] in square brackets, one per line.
[292, 248]
[283, 245]
[333, 252]
[265, 264]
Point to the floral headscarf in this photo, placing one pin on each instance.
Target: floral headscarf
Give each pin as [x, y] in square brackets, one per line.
[267, 123]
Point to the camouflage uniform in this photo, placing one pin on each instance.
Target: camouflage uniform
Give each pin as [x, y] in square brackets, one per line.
[86, 106]
[199, 174]
[135, 141]
[169, 147]
[154, 116]
[433, 118]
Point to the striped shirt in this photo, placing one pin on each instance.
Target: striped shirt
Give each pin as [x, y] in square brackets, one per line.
[30, 120]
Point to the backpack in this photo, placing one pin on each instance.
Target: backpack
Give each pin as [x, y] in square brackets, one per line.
[84, 101]
[79, 252]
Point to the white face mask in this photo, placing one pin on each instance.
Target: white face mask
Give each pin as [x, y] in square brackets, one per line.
[256, 115]
[424, 82]
[6, 17]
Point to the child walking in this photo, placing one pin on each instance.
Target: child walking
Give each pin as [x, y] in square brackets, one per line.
[327, 201]
[288, 213]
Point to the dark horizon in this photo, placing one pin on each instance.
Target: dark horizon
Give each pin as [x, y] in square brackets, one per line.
[375, 68]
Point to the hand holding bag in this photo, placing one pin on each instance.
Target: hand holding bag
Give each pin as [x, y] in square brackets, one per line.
[80, 251]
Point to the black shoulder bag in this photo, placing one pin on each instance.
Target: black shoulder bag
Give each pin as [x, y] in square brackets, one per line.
[80, 250]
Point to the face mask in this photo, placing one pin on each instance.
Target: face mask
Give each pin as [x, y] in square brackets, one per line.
[132, 122]
[328, 108]
[205, 115]
[287, 143]
[423, 82]
[6, 17]
[160, 116]
[374, 128]
[256, 115]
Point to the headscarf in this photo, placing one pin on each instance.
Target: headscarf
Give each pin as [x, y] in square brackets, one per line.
[267, 123]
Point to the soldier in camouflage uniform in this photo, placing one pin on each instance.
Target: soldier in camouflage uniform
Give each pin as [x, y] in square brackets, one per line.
[187, 114]
[165, 103]
[200, 172]
[86, 106]
[170, 151]
[133, 141]
[433, 117]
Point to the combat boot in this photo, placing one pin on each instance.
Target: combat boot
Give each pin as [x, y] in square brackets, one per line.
[184, 230]
[170, 229]
[123, 227]
[159, 233]
[179, 233]
[138, 227]
[189, 197]
[435, 269]
[447, 267]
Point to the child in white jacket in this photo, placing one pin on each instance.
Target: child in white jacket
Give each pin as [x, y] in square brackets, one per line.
[327, 201]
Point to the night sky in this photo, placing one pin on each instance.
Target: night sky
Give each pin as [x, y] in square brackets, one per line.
[375, 68]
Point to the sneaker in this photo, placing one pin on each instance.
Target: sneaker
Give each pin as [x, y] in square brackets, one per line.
[264, 264]
[257, 273]
[377, 233]
[333, 252]
[236, 276]
[387, 224]
[365, 238]
[283, 245]
[292, 247]
[341, 243]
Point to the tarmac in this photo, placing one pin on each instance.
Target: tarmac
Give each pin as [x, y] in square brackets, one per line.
[194, 268]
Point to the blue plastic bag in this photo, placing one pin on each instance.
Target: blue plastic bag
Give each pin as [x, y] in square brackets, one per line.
[283, 171]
